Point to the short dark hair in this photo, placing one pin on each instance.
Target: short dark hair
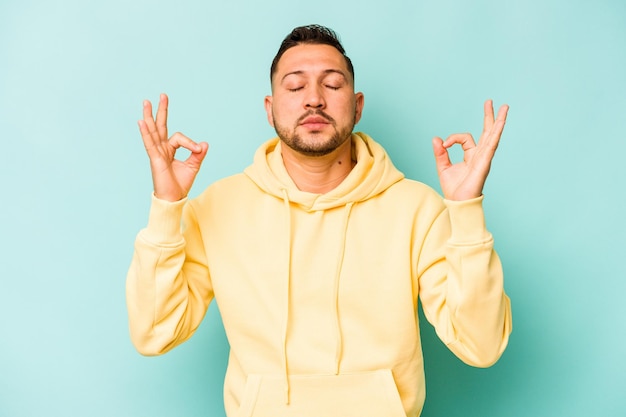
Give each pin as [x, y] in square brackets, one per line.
[312, 35]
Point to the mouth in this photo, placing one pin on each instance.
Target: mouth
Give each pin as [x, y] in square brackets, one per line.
[314, 122]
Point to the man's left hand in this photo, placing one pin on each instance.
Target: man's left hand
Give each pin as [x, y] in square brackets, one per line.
[465, 180]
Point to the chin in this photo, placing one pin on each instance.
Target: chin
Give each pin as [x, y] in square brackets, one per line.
[312, 147]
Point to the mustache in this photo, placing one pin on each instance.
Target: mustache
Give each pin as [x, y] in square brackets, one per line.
[319, 113]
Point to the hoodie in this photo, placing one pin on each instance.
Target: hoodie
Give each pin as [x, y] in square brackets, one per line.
[318, 293]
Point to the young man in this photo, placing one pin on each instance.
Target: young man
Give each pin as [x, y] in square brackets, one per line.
[317, 253]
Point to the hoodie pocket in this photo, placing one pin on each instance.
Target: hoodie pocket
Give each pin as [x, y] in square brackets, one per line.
[367, 394]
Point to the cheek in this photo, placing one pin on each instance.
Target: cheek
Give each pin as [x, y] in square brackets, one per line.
[348, 107]
[283, 110]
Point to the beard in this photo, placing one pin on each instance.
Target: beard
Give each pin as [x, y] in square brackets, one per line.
[318, 145]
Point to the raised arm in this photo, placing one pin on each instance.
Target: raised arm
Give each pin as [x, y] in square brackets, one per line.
[168, 288]
[172, 178]
[462, 288]
[465, 180]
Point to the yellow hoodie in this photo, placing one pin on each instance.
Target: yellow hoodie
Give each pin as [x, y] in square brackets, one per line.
[318, 293]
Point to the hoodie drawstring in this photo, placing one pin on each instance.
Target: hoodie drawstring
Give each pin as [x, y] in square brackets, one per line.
[342, 251]
[288, 295]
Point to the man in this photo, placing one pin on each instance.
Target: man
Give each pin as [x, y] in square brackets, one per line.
[317, 253]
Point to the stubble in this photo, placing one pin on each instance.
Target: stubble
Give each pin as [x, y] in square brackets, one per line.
[316, 145]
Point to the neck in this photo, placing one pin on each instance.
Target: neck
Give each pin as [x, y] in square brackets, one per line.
[319, 174]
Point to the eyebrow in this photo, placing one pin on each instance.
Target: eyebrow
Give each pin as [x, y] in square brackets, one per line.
[325, 72]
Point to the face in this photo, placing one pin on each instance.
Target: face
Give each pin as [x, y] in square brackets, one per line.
[313, 106]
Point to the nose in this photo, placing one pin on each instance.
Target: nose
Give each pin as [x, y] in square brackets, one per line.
[314, 99]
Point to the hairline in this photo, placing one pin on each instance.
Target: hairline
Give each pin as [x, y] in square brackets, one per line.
[328, 37]
[343, 73]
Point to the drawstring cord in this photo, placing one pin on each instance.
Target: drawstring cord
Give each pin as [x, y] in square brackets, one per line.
[287, 298]
[342, 250]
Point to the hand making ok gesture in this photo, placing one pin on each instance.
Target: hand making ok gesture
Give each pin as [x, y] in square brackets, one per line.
[465, 180]
[172, 178]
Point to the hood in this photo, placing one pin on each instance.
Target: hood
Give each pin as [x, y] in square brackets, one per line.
[373, 174]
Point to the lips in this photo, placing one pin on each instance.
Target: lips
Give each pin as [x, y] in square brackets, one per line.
[314, 120]
[315, 123]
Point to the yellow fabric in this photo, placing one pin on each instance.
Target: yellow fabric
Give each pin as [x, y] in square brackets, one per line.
[318, 293]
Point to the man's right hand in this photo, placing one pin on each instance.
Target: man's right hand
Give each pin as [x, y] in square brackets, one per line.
[172, 178]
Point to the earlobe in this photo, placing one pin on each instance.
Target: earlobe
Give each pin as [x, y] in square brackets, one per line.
[268, 110]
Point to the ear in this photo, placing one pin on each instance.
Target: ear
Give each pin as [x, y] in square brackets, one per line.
[268, 110]
[359, 103]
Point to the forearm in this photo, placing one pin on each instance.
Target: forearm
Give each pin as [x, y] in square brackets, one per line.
[167, 290]
[478, 307]
[462, 292]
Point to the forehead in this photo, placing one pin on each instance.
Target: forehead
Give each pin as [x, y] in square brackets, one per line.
[306, 58]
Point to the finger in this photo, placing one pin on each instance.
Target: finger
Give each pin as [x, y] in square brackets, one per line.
[146, 136]
[442, 159]
[503, 111]
[143, 129]
[496, 132]
[178, 140]
[147, 116]
[488, 146]
[488, 118]
[196, 157]
[464, 139]
[161, 116]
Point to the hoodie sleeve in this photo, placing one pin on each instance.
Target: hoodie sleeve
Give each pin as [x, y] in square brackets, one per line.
[168, 289]
[461, 284]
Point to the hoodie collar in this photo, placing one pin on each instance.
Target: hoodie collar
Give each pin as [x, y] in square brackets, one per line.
[372, 174]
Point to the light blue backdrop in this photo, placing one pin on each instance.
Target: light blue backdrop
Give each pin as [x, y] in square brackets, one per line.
[75, 183]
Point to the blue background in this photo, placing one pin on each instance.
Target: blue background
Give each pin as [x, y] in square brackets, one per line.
[75, 183]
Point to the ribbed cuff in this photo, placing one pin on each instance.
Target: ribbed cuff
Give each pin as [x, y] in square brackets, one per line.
[164, 221]
[467, 220]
